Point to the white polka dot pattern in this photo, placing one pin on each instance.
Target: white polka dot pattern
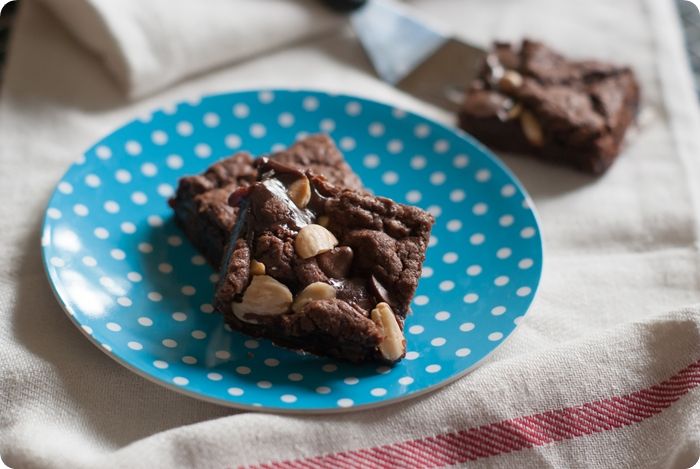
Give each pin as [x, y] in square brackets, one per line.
[137, 288]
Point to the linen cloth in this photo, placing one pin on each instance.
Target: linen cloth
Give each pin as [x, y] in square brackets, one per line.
[603, 371]
[148, 45]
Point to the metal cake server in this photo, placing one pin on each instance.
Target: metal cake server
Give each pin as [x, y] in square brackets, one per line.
[410, 54]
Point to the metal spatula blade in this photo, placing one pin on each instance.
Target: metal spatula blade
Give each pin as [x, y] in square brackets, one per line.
[413, 56]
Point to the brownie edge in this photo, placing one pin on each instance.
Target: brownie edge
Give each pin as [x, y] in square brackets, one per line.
[201, 201]
[532, 100]
[331, 273]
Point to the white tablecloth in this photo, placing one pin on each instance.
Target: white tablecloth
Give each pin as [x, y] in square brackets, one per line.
[602, 373]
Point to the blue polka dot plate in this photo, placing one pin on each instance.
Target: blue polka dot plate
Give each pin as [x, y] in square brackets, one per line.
[134, 285]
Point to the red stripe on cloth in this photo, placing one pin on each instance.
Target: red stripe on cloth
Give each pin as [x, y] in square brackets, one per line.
[510, 435]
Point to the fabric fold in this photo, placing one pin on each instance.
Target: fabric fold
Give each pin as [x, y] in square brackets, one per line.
[596, 375]
[148, 45]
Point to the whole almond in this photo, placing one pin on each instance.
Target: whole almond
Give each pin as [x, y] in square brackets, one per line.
[510, 81]
[265, 296]
[300, 192]
[393, 345]
[515, 111]
[312, 292]
[313, 240]
[531, 128]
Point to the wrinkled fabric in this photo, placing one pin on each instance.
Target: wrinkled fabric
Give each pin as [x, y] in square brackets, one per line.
[147, 46]
[618, 309]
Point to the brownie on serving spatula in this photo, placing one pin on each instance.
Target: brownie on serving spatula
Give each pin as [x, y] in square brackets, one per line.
[201, 202]
[320, 268]
[532, 100]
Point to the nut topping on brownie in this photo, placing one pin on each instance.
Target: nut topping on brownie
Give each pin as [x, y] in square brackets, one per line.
[340, 266]
[532, 100]
[201, 202]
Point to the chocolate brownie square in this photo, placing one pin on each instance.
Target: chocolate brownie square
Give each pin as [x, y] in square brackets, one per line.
[532, 100]
[201, 202]
[320, 268]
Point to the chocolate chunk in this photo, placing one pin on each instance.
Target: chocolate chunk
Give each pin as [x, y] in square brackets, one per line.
[385, 263]
[354, 292]
[273, 209]
[336, 263]
[380, 293]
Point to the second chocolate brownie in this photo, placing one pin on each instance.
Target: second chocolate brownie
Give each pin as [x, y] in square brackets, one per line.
[322, 269]
[201, 202]
[532, 100]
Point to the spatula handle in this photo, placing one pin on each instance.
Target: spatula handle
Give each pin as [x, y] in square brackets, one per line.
[344, 5]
